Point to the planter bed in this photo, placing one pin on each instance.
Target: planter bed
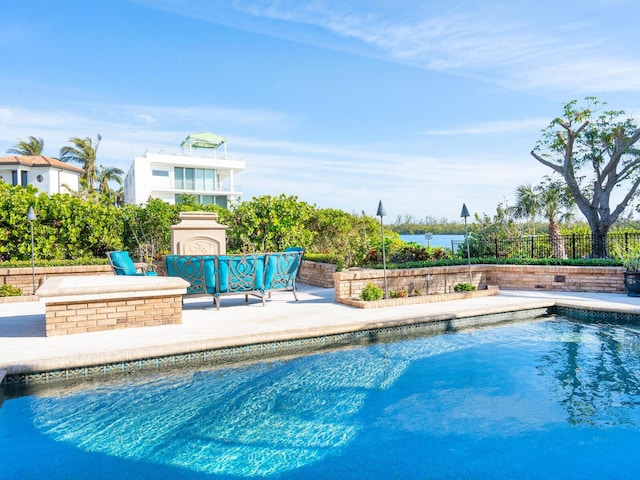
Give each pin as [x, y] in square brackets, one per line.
[438, 297]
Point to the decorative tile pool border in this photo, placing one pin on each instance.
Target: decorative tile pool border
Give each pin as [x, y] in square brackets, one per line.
[597, 315]
[309, 345]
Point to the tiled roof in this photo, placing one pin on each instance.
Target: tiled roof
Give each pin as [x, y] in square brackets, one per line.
[38, 161]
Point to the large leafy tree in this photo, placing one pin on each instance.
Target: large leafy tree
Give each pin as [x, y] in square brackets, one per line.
[83, 152]
[594, 151]
[31, 146]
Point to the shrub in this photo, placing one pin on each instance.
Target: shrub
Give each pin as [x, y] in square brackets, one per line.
[337, 260]
[370, 292]
[398, 294]
[464, 287]
[10, 291]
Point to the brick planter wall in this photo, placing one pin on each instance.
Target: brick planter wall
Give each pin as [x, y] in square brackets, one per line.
[349, 284]
[318, 274]
[438, 280]
[23, 277]
[558, 279]
[67, 317]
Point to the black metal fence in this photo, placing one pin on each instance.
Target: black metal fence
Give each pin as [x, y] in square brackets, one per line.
[540, 246]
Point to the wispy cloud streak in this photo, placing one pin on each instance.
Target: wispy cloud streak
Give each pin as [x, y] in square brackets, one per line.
[515, 45]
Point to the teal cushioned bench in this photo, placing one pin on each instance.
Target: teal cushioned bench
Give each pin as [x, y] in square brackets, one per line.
[281, 271]
[240, 274]
[253, 274]
[198, 270]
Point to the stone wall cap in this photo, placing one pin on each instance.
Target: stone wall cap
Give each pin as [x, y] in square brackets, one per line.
[197, 221]
[93, 285]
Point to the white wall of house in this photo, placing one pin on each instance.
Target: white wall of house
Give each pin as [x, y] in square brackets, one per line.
[46, 179]
[164, 176]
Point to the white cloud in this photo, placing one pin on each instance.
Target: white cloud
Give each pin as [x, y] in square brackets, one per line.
[512, 44]
[493, 128]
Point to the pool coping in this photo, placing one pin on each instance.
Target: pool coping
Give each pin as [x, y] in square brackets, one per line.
[265, 345]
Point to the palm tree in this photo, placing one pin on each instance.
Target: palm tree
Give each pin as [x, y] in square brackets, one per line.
[32, 146]
[84, 153]
[555, 201]
[527, 205]
[118, 198]
[551, 200]
[106, 175]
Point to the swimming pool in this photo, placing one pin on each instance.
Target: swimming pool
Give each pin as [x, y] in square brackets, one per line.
[549, 398]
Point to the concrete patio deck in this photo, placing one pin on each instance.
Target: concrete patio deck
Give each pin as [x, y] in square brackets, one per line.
[24, 347]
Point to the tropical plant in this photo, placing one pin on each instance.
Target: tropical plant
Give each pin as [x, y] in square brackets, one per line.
[32, 146]
[106, 175]
[486, 230]
[552, 200]
[269, 224]
[527, 205]
[66, 227]
[7, 290]
[147, 230]
[371, 292]
[595, 153]
[629, 256]
[84, 153]
[464, 287]
[118, 197]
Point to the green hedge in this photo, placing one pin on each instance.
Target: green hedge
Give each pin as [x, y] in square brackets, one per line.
[570, 262]
[54, 263]
[336, 260]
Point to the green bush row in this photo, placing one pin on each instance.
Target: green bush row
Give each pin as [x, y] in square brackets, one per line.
[595, 262]
[54, 263]
[337, 260]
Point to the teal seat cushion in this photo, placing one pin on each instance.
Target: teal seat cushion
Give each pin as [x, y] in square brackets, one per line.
[199, 271]
[123, 263]
[281, 269]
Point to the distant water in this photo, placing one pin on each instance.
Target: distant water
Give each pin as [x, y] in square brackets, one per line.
[436, 240]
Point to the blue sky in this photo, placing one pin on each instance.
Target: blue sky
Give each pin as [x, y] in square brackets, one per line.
[421, 104]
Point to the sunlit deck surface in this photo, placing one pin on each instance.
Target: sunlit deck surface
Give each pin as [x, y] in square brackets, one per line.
[24, 347]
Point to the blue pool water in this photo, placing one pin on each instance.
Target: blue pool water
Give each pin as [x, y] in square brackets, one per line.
[550, 398]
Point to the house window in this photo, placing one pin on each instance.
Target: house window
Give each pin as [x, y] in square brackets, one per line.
[24, 181]
[179, 177]
[194, 179]
[189, 179]
[160, 173]
[14, 177]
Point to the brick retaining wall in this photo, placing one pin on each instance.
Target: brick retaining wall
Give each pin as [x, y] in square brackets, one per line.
[318, 274]
[68, 317]
[437, 280]
[23, 277]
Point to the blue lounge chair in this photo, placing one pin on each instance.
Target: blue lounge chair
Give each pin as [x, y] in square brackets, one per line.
[122, 264]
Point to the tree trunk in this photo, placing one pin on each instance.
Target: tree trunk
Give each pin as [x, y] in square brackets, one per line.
[599, 244]
[556, 240]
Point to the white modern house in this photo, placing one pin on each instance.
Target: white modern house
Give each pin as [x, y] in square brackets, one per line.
[47, 174]
[202, 169]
